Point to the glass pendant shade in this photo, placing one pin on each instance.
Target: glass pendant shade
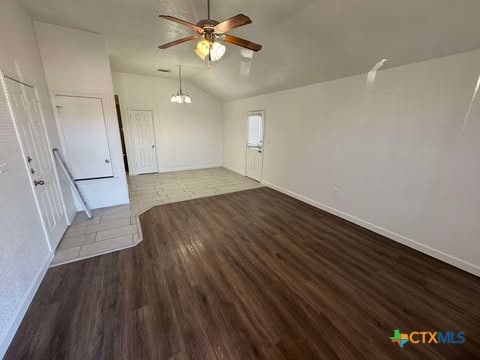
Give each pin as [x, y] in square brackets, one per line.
[180, 97]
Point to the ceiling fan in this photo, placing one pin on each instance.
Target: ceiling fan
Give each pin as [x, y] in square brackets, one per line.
[209, 32]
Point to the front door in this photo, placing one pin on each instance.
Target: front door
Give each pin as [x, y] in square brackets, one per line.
[255, 127]
[26, 112]
[143, 141]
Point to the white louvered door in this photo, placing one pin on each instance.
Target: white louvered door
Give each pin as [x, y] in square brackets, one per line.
[143, 141]
[26, 112]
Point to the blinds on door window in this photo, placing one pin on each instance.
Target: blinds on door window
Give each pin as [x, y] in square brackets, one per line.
[255, 130]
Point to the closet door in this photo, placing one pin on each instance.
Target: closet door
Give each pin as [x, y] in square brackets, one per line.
[85, 139]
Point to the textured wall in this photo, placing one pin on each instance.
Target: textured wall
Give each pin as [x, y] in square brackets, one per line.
[76, 63]
[187, 135]
[24, 251]
[399, 156]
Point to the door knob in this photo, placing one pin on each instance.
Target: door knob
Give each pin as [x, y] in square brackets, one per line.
[40, 182]
[107, 161]
[153, 146]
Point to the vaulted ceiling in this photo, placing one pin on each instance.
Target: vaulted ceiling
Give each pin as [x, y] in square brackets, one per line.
[304, 41]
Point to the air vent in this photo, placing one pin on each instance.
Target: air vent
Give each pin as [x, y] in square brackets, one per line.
[164, 70]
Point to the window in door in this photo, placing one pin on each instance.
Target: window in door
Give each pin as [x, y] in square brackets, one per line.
[254, 159]
[255, 130]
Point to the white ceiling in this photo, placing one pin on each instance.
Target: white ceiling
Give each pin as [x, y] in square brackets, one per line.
[305, 41]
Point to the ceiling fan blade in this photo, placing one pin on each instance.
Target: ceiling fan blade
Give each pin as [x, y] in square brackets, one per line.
[182, 22]
[179, 41]
[242, 42]
[233, 22]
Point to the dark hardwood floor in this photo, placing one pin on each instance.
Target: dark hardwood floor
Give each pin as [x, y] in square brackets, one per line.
[250, 275]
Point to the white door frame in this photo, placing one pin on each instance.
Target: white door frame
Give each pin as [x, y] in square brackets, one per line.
[252, 112]
[4, 76]
[129, 141]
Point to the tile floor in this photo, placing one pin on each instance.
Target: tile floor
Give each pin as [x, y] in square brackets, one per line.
[115, 228]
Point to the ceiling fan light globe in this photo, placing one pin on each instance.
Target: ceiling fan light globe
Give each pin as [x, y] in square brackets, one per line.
[217, 50]
[203, 48]
[199, 54]
[173, 98]
[188, 100]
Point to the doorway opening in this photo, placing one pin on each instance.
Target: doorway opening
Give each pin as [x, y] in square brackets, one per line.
[122, 134]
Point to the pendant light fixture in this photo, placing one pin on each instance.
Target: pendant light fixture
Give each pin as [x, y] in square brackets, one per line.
[180, 97]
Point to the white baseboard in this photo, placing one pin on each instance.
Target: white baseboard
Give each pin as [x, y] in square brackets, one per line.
[71, 216]
[185, 168]
[234, 170]
[440, 255]
[17, 319]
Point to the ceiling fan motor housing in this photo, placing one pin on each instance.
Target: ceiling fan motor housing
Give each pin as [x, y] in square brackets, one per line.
[208, 25]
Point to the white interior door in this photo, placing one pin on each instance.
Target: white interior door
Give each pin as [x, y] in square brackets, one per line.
[255, 127]
[85, 139]
[142, 135]
[29, 124]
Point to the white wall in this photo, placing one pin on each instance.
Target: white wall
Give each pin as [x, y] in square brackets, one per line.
[188, 136]
[76, 63]
[395, 158]
[24, 252]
